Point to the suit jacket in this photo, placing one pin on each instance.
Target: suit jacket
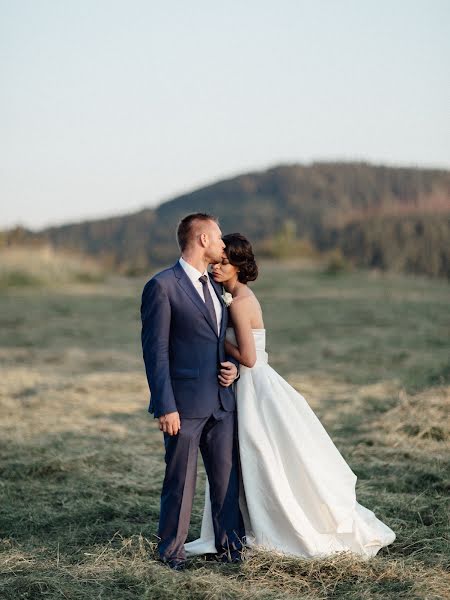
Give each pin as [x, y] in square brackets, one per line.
[181, 347]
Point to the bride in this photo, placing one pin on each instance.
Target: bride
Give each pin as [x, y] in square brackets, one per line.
[297, 493]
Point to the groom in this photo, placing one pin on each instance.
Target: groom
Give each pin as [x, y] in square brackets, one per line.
[184, 322]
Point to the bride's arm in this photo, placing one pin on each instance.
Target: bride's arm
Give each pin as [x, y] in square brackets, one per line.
[232, 350]
[245, 351]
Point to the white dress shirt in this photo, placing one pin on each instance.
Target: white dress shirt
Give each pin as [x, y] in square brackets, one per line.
[194, 275]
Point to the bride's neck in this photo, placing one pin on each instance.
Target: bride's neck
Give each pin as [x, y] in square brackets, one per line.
[233, 286]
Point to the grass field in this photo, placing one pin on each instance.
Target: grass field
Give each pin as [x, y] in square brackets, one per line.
[82, 461]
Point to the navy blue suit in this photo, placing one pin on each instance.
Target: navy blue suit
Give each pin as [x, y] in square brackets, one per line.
[182, 354]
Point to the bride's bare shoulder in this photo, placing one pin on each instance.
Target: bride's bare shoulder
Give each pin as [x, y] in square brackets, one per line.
[245, 305]
[241, 303]
[246, 297]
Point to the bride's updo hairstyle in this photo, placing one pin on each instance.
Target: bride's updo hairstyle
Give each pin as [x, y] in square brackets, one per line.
[240, 254]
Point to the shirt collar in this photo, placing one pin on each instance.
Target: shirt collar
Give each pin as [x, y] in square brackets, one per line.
[191, 271]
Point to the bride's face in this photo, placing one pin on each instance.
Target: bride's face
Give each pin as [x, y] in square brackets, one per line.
[224, 271]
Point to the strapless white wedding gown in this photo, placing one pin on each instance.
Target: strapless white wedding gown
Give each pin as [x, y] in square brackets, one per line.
[297, 493]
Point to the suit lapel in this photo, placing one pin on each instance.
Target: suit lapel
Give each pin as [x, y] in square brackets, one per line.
[190, 290]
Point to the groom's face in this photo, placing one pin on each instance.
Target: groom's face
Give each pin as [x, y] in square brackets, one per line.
[216, 245]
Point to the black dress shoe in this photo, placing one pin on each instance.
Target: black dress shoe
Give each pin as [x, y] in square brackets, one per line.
[231, 557]
[176, 564]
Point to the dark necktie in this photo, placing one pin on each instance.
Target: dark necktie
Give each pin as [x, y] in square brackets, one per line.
[208, 300]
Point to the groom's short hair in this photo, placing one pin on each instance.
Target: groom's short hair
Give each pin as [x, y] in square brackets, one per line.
[185, 229]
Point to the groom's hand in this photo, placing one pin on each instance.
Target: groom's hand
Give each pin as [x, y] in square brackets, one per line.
[170, 423]
[228, 373]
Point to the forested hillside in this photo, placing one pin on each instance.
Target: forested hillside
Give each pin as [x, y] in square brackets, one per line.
[377, 216]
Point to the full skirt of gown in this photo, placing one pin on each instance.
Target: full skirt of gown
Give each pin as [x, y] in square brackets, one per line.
[297, 492]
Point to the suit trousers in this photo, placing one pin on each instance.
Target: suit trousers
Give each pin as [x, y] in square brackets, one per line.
[216, 438]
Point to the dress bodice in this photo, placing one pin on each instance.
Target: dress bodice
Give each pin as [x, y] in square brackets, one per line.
[259, 336]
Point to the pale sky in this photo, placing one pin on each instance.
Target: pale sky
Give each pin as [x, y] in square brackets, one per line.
[109, 106]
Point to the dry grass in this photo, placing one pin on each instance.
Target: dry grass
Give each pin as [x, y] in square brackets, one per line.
[126, 568]
[81, 460]
[420, 420]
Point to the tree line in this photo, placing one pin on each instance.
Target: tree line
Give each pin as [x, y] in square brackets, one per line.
[391, 218]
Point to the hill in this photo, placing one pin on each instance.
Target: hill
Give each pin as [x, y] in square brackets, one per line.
[377, 216]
